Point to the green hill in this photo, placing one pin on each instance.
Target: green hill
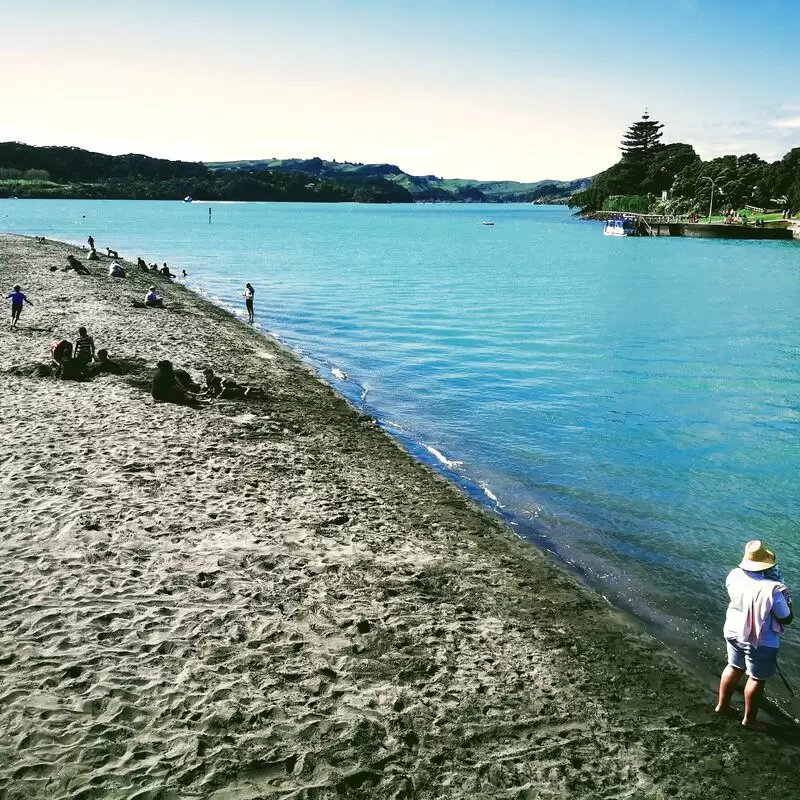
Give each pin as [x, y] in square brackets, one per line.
[69, 172]
[421, 187]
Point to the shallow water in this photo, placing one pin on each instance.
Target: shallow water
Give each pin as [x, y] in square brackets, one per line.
[632, 405]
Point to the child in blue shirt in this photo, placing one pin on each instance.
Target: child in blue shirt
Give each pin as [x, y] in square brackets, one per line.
[17, 299]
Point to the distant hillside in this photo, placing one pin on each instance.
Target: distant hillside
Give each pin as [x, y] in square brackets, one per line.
[422, 187]
[70, 172]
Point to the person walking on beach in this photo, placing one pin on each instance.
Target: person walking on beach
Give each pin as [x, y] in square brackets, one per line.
[248, 294]
[91, 242]
[84, 348]
[17, 298]
[759, 608]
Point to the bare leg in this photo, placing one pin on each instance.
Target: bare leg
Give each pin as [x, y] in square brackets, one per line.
[727, 685]
[753, 693]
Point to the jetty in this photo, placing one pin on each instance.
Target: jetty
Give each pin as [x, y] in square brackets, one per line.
[680, 225]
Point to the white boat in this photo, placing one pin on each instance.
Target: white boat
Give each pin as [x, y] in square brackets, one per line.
[187, 199]
[487, 223]
[620, 227]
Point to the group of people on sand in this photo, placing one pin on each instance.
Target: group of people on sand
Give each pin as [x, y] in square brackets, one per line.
[117, 270]
[79, 361]
[177, 386]
[164, 271]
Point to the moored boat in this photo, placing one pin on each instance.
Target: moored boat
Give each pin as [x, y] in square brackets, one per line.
[620, 227]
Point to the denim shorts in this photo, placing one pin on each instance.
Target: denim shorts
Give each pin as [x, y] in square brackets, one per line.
[760, 663]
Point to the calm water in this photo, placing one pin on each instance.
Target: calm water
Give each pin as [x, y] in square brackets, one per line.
[632, 405]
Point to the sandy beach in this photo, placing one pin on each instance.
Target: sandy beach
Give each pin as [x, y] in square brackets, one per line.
[270, 598]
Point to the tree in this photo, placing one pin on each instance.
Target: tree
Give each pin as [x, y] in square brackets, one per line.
[641, 138]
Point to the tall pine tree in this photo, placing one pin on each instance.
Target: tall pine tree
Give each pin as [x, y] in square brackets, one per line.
[641, 138]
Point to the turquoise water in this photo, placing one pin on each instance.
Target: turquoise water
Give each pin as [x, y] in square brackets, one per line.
[632, 405]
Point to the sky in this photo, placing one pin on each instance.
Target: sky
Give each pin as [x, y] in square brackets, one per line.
[505, 90]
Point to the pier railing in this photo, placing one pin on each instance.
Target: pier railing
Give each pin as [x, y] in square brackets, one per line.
[646, 219]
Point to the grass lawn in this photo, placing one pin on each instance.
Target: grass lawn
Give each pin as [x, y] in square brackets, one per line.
[752, 216]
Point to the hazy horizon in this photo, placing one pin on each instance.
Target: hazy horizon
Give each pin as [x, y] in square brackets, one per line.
[523, 91]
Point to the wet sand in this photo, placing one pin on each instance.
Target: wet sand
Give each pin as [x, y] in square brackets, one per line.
[270, 598]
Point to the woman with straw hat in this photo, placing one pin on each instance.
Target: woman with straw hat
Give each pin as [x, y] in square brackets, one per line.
[759, 608]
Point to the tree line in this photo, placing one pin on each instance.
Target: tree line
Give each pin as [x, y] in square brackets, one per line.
[648, 167]
[70, 172]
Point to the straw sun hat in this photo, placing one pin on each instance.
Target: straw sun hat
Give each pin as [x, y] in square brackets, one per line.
[756, 557]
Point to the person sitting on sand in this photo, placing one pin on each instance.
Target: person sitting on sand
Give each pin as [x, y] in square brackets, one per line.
[83, 352]
[154, 267]
[224, 388]
[93, 255]
[74, 264]
[152, 300]
[116, 270]
[71, 370]
[17, 299]
[104, 364]
[165, 272]
[167, 388]
[187, 381]
[59, 350]
[141, 264]
[759, 609]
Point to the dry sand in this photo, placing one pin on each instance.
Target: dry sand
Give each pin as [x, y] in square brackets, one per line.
[271, 599]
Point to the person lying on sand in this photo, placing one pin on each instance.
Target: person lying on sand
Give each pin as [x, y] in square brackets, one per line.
[167, 388]
[224, 388]
[104, 365]
[152, 300]
[17, 298]
[73, 263]
[59, 350]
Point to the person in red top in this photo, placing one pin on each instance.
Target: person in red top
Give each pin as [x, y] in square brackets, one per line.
[60, 351]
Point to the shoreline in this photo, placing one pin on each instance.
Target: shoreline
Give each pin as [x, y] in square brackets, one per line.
[277, 597]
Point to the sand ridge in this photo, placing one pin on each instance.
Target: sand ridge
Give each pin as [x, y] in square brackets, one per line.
[271, 599]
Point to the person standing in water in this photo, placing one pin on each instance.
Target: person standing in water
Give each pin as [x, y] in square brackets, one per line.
[248, 294]
[17, 298]
[759, 608]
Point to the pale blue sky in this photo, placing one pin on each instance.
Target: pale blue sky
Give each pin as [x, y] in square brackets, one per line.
[503, 90]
